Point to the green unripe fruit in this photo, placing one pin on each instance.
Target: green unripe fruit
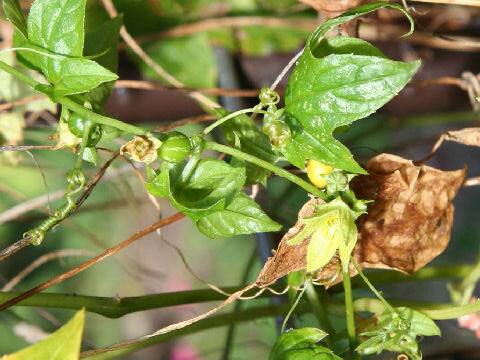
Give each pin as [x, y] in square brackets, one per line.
[176, 147]
[77, 125]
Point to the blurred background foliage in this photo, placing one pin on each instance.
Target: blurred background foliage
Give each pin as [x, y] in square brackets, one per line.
[190, 38]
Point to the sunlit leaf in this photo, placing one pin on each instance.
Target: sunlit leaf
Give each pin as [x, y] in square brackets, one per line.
[13, 12]
[336, 82]
[63, 344]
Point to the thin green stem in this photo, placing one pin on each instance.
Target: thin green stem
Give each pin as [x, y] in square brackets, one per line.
[349, 311]
[72, 105]
[292, 308]
[100, 119]
[226, 118]
[266, 165]
[320, 310]
[18, 74]
[372, 288]
[435, 311]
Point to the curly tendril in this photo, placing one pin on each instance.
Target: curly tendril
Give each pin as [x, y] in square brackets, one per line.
[76, 182]
[274, 126]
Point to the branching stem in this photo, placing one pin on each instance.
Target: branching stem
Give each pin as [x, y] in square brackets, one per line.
[266, 165]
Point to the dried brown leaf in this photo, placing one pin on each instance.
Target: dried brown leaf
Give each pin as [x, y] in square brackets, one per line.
[467, 136]
[410, 220]
[407, 226]
[288, 258]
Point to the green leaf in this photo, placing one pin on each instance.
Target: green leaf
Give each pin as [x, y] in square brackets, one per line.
[421, 324]
[58, 26]
[336, 82]
[343, 87]
[13, 12]
[63, 344]
[251, 141]
[57, 29]
[208, 191]
[241, 216]
[309, 143]
[189, 59]
[77, 76]
[301, 344]
[103, 39]
[198, 188]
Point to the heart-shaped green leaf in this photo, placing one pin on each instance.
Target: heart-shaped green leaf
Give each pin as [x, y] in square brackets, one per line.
[336, 82]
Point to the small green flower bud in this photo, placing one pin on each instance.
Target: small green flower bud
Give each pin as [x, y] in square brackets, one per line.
[278, 132]
[176, 147]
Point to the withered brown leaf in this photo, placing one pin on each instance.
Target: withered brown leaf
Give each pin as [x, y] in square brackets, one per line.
[288, 258]
[410, 220]
[467, 136]
[408, 223]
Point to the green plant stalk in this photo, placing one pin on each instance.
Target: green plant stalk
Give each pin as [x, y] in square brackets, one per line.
[349, 311]
[209, 323]
[247, 315]
[226, 118]
[293, 307]
[266, 165]
[320, 310]
[72, 105]
[118, 307]
[100, 119]
[435, 311]
[372, 288]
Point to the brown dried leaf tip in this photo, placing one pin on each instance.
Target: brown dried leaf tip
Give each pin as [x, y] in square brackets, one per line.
[410, 220]
[407, 226]
[288, 258]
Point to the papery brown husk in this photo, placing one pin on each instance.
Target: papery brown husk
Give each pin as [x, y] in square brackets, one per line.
[408, 223]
